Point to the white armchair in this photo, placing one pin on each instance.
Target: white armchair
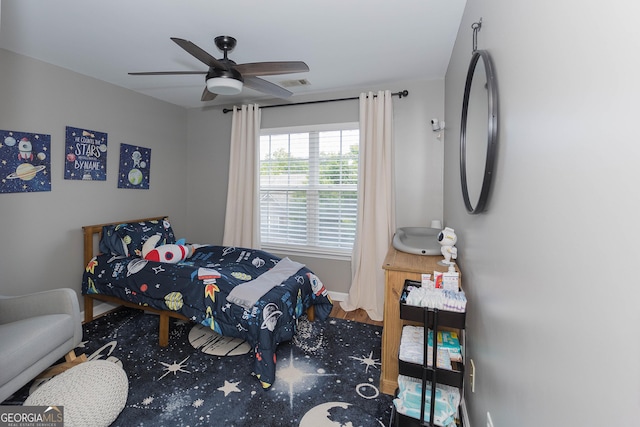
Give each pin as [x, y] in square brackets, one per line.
[36, 330]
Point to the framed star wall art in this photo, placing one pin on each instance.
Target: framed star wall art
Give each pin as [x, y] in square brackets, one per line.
[25, 165]
[135, 165]
[85, 155]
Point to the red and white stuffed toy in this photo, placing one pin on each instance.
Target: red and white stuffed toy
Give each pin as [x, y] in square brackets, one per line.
[170, 253]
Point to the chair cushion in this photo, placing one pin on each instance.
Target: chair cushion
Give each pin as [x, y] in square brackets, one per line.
[92, 393]
[27, 341]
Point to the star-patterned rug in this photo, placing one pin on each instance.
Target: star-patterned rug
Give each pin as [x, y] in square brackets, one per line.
[328, 375]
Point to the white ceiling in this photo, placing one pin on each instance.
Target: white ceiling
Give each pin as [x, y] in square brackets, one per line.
[346, 43]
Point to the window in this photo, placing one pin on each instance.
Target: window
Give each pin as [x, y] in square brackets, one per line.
[308, 189]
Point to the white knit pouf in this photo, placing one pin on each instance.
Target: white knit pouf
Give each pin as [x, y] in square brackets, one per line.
[92, 394]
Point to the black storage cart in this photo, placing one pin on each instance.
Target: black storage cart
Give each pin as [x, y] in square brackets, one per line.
[434, 319]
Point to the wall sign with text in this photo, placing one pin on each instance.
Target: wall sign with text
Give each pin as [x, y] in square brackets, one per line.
[86, 155]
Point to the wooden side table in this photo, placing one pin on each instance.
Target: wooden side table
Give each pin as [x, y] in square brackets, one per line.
[399, 266]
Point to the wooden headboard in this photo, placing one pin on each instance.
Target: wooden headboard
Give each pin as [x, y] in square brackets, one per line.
[91, 231]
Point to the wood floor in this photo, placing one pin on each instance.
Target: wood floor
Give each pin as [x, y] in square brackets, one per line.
[358, 315]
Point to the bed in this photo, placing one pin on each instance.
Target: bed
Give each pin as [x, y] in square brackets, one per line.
[201, 288]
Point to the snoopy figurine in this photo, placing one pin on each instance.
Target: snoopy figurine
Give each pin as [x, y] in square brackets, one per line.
[447, 239]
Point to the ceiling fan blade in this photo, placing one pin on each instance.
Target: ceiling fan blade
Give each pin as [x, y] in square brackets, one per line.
[165, 73]
[208, 96]
[266, 87]
[271, 68]
[200, 54]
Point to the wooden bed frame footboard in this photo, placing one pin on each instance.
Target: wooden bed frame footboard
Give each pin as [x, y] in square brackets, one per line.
[92, 235]
[163, 334]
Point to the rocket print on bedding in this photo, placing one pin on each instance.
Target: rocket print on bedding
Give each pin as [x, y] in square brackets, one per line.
[199, 288]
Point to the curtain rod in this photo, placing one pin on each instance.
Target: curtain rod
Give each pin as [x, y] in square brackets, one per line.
[400, 95]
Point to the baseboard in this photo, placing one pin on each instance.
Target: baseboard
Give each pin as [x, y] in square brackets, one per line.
[99, 309]
[338, 296]
[465, 415]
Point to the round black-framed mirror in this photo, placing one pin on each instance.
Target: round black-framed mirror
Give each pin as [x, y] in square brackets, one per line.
[478, 132]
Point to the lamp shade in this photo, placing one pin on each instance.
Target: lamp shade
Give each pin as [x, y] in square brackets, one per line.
[224, 85]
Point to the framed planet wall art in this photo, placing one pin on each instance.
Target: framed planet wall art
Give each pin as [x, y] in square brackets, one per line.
[25, 165]
[135, 165]
[85, 155]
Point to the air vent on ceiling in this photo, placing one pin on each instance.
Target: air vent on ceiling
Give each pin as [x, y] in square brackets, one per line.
[295, 82]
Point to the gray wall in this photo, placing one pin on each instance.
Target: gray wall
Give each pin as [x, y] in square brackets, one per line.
[41, 232]
[549, 269]
[418, 155]
[190, 150]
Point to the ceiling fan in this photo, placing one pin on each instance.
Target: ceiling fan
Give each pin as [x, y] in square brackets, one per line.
[225, 77]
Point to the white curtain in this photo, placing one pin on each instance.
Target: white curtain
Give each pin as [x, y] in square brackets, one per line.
[242, 219]
[376, 221]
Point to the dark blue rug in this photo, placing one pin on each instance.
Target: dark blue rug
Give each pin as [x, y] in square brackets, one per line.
[328, 375]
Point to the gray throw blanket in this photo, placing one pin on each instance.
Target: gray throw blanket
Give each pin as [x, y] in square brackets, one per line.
[247, 294]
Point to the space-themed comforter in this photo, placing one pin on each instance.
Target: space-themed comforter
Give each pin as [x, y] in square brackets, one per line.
[198, 288]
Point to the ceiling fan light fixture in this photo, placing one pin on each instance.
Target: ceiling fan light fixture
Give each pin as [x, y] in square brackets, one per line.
[226, 77]
[224, 85]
